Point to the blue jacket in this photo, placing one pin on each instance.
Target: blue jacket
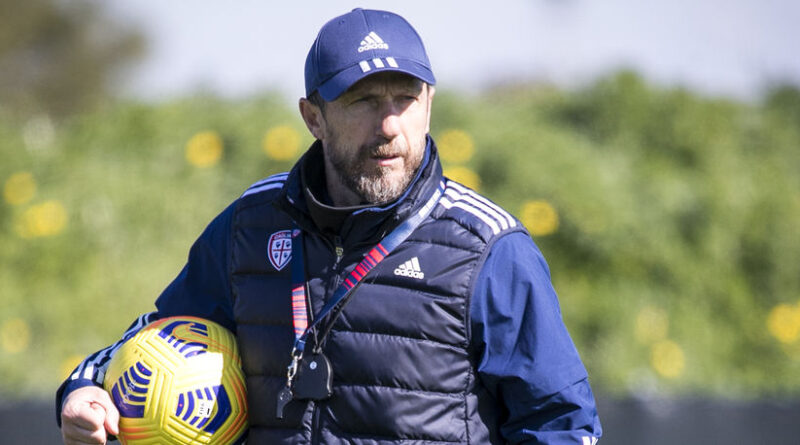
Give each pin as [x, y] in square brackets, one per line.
[525, 358]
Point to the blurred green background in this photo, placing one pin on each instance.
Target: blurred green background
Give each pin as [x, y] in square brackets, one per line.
[669, 218]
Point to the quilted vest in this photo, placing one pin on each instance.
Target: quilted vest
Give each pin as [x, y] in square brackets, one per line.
[403, 368]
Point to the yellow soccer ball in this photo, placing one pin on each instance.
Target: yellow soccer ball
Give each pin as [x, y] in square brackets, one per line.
[179, 381]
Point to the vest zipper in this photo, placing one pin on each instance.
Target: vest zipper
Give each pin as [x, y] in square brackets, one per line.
[315, 424]
[339, 251]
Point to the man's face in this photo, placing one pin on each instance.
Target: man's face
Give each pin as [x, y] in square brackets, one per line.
[374, 135]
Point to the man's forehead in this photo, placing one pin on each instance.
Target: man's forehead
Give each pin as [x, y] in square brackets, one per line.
[385, 79]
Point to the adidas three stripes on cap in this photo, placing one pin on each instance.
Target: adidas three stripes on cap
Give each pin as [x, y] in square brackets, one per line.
[360, 43]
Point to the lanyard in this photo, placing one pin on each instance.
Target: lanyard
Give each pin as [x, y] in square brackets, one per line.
[371, 259]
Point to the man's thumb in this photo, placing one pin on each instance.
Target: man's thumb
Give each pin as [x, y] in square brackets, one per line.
[111, 422]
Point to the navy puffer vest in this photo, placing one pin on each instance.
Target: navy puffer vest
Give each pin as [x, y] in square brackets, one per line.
[403, 368]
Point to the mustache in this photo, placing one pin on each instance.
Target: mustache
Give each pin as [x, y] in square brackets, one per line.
[383, 149]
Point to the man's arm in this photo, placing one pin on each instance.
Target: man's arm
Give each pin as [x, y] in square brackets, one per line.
[84, 411]
[201, 290]
[527, 358]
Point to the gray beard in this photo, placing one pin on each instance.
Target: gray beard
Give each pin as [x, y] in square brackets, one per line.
[375, 187]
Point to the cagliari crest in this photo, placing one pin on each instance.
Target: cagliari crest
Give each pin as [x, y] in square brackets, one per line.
[279, 249]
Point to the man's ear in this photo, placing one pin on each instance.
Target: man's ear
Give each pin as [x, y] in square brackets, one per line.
[312, 116]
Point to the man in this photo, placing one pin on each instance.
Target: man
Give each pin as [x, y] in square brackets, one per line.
[431, 304]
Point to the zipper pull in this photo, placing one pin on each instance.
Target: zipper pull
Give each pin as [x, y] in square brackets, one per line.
[338, 249]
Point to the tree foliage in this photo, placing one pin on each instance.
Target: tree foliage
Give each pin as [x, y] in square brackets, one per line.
[59, 57]
[668, 219]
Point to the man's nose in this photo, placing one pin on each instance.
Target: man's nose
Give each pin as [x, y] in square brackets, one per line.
[390, 121]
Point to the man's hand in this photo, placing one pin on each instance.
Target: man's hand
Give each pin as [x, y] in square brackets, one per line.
[88, 413]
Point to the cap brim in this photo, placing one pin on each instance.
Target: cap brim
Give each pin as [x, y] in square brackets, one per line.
[331, 89]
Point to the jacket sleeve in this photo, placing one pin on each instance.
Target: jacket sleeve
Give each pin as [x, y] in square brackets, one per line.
[527, 359]
[201, 289]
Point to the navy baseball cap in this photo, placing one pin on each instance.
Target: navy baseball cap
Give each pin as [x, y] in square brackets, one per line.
[361, 43]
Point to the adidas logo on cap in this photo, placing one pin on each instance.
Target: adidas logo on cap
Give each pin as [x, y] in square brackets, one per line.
[410, 269]
[372, 41]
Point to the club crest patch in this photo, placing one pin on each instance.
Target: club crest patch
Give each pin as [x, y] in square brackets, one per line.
[279, 249]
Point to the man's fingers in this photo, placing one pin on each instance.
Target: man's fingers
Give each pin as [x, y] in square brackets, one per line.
[86, 416]
[111, 421]
[74, 435]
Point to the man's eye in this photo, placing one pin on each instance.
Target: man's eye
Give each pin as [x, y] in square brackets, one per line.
[362, 100]
[406, 100]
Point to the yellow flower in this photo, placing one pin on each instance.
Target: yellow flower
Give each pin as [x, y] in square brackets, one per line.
[19, 188]
[281, 143]
[539, 217]
[464, 176]
[783, 322]
[651, 325]
[204, 149]
[69, 364]
[455, 146]
[46, 219]
[15, 335]
[667, 358]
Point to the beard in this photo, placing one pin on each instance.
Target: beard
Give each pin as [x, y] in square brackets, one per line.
[376, 184]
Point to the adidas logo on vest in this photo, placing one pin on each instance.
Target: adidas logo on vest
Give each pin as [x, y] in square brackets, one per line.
[410, 269]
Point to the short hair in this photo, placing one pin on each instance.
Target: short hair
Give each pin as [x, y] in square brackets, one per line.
[316, 99]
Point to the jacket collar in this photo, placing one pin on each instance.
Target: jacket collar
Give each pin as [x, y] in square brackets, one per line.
[365, 224]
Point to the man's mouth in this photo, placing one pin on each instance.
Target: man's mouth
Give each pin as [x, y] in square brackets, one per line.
[385, 156]
[386, 160]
